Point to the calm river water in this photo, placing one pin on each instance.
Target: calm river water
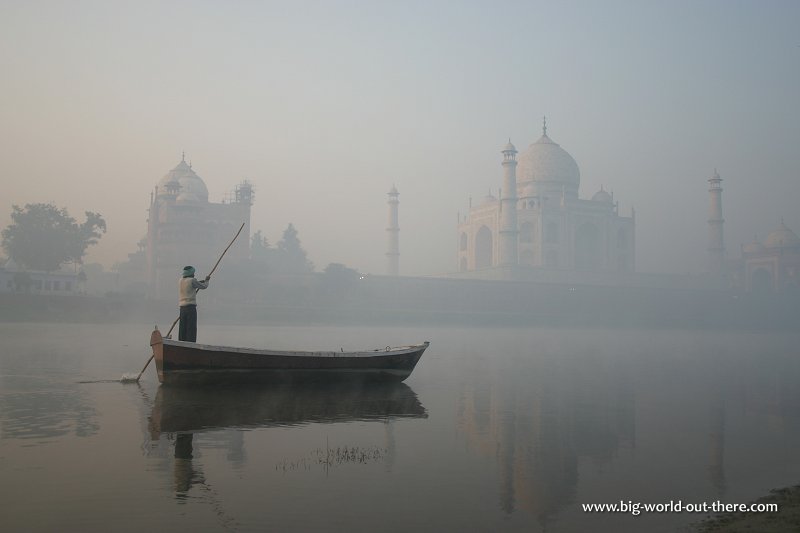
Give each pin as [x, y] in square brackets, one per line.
[496, 430]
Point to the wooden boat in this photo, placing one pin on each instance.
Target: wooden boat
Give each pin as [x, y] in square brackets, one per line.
[199, 409]
[189, 362]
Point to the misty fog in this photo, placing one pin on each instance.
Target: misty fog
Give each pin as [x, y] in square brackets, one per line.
[324, 106]
[608, 332]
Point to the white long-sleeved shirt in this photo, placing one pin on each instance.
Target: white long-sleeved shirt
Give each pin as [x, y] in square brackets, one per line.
[188, 290]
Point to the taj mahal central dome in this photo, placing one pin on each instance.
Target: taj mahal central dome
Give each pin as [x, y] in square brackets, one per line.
[546, 161]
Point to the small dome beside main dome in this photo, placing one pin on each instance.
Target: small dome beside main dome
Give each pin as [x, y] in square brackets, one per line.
[545, 160]
[602, 196]
[192, 187]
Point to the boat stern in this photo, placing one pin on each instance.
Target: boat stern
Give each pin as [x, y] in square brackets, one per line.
[157, 344]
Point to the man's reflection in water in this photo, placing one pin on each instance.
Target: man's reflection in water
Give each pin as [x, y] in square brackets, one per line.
[179, 412]
[184, 472]
[186, 476]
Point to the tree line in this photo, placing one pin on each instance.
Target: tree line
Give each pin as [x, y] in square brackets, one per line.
[45, 237]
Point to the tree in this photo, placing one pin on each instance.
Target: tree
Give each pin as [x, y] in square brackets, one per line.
[339, 274]
[339, 278]
[259, 247]
[293, 257]
[44, 237]
[289, 242]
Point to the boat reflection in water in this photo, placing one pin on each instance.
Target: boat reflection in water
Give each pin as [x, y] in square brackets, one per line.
[190, 410]
[179, 413]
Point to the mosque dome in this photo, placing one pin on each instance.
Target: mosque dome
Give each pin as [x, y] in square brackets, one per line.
[192, 188]
[546, 161]
[602, 196]
[782, 237]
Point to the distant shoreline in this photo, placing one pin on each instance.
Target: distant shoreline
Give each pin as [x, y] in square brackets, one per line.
[568, 310]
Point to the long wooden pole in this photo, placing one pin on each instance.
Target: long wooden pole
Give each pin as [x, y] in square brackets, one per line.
[209, 276]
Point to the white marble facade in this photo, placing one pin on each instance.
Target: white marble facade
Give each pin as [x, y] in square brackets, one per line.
[554, 228]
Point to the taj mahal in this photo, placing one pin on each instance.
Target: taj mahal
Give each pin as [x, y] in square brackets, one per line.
[540, 221]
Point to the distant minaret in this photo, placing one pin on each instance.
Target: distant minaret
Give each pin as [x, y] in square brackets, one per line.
[716, 245]
[393, 233]
[508, 207]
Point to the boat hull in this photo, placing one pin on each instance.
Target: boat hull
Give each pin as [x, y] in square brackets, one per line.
[180, 362]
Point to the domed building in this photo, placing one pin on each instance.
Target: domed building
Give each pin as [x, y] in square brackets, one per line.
[184, 183]
[540, 221]
[774, 265]
[184, 228]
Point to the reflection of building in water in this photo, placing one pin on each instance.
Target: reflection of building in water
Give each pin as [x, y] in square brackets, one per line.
[539, 430]
[716, 440]
[540, 222]
[391, 445]
[183, 227]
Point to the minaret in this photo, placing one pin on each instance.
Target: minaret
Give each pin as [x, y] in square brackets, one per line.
[393, 233]
[508, 208]
[716, 245]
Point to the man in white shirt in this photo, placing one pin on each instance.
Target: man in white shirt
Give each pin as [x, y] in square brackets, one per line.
[187, 331]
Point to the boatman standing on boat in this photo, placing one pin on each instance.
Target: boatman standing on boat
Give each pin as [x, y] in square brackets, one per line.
[189, 286]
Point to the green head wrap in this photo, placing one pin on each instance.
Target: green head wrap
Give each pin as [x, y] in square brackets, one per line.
[188, 272]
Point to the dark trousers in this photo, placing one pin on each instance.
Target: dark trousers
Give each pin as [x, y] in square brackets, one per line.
[187, 330]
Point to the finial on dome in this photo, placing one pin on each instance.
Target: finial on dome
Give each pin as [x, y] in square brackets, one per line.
[544, 125]
[183, 156]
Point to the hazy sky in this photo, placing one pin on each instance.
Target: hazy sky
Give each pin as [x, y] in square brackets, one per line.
[325, 105]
